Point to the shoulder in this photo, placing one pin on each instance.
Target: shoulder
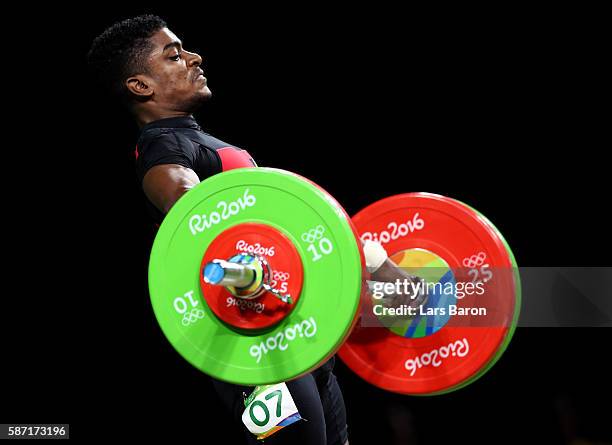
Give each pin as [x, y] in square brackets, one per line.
[163, 146]
[230, 155]
[162, 138]
[213, 142]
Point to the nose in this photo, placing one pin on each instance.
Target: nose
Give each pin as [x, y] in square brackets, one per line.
[195, 59]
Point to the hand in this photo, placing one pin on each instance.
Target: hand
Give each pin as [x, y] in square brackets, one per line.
[382, 269]
[409, 289]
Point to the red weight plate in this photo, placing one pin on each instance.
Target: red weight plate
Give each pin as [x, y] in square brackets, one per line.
[287, 276]
[443, 357]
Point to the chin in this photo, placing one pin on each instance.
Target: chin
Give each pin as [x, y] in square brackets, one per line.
[204, 93]
[198, 99]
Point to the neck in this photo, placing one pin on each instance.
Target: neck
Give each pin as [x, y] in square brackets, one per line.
[143, 117]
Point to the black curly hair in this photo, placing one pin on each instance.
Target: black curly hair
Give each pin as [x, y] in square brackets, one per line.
[121, 50]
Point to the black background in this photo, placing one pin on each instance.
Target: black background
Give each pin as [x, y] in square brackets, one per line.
[502, 110]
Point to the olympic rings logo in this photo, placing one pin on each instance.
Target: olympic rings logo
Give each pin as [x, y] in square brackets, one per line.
[475, 260]
[192, 316]
[313, 234]
[325, 246]
[280, 276]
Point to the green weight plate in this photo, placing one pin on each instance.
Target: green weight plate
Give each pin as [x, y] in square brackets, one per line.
[329, 301]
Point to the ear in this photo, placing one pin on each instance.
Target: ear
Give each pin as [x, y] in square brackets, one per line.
[140, 86]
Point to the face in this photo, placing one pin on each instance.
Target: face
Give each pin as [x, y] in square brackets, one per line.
[174, 80]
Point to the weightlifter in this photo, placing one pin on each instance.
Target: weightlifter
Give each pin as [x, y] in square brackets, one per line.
[161, 83]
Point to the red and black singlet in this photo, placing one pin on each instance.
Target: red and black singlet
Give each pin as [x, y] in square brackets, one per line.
[180, 140]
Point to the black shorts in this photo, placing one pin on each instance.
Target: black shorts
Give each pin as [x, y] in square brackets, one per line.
[318, 399]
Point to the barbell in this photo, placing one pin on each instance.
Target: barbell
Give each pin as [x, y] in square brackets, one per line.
[258, 276]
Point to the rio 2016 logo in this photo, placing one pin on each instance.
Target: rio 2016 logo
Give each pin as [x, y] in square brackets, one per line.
[199, 223]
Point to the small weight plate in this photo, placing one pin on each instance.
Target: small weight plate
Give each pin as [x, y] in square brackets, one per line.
[277, 250]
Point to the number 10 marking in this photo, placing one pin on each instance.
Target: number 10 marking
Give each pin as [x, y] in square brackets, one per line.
[325, 246]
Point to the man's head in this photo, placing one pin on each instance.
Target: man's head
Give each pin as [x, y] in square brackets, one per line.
[144, 63]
